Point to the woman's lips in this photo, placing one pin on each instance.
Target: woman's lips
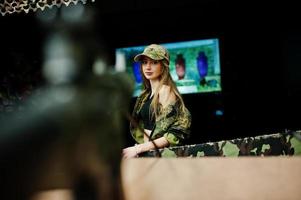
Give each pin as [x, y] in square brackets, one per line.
[148, 73]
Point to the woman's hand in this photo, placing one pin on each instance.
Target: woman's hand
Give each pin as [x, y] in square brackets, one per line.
[166, 96]
[130, 152]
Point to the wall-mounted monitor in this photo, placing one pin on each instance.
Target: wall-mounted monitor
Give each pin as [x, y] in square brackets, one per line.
[194, 65]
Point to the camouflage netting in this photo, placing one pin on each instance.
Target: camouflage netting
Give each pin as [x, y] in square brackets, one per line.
[288, 143]
[17, 6]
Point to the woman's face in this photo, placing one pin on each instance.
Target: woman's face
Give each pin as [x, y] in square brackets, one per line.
[152, 69]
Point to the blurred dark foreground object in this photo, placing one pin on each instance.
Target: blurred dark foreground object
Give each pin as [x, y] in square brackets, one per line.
[70, 139]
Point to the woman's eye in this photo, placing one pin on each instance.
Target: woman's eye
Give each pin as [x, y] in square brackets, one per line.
[145, 62]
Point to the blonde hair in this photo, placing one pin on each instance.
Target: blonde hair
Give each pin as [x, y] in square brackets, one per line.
[164, 79]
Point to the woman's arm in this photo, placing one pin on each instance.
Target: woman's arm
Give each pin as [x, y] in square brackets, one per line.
[133, 151]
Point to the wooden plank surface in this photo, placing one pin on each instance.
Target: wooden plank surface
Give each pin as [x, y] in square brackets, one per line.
[242, 178]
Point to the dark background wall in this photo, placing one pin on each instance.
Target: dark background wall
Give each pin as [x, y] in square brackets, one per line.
[260, 51]
[260, 56]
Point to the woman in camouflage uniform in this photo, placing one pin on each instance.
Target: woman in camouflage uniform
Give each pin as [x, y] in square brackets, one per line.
[160, 114]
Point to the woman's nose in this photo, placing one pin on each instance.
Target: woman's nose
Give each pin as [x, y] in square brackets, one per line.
[148, 64]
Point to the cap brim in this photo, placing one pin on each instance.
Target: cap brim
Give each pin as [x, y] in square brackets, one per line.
[139, 56]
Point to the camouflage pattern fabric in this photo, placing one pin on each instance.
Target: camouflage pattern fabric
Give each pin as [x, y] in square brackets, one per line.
[155, 52]
[264, 145]
[172, 123]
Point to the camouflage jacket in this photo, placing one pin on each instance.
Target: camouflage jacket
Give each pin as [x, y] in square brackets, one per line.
[263, 145]
[172, 123]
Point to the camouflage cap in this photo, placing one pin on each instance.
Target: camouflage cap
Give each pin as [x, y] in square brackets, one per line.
[155, 52]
